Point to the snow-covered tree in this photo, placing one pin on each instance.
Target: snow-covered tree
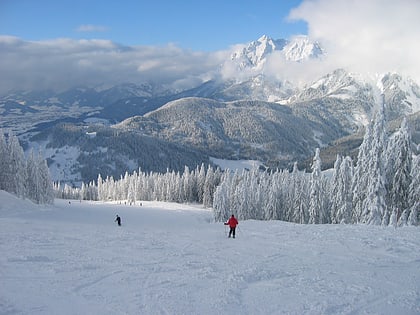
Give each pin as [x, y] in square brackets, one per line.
[374, 206]
[25, 177]
[393, 218]
[221, 200]
[131, 190]
[335, 190]
[33, 182]
[4, 163]
[360, 178]
[253, 187]
[398, 170]
[209, 186]
[45, 182]
[345, 178]
[241, 200]
[274, 199]
[316, 211]
[299, 198]
[101, 189]
[201, 179]
[16, 171]
[414, 193]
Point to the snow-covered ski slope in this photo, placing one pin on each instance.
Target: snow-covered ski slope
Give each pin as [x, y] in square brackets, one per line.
[173, 259]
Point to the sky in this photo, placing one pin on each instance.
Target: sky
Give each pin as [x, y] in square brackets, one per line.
[49, 44]
[189, 24]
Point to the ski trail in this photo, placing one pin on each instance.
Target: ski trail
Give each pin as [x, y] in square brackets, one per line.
[75, 260]
[95, 281]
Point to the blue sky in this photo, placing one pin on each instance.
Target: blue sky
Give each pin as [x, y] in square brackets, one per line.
[197, 25]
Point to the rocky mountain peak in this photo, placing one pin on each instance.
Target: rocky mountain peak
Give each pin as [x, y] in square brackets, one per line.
[254, 55]
[302, 48]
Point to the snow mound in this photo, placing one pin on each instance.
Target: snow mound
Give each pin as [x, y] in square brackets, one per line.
[10, 205]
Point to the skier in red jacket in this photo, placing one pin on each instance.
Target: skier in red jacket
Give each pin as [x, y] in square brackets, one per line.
[232, 222]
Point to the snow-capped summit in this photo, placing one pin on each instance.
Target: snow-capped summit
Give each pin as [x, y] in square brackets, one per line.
[255, 53]
[259, 50]
[302, 48]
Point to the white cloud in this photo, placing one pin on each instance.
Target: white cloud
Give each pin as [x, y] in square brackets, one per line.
[373, 36]
[64, 63]
[91, 28]
[299, 73]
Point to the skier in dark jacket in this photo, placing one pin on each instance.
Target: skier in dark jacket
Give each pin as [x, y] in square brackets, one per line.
[232, 222]
[118, 220]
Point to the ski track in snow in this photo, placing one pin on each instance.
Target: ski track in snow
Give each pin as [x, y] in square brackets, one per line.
[172, 259]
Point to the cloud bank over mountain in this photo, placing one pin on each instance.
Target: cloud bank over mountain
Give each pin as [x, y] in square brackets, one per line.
[63, 63]
[372, 36]
[366, 37]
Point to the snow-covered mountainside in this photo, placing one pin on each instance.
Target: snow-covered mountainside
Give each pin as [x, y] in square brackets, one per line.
[251, 115]
[72, 258]
[187, 131]
[78, 153]
[241, 129]
[401, 94]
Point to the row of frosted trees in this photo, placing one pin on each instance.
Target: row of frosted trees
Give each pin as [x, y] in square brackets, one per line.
[187, 187]
[382, 189]
[26, 177]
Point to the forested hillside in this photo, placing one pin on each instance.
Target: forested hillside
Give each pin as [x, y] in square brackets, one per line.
[381, 188]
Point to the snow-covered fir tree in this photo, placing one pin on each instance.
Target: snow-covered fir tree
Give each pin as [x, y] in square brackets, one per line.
[335, 193]
[299, 199]
[414, 193]
[317, 211]
[4, 163]
[341, 190]
[16, 170]
[275, 199]
[360, 178]
[210, 182]
[398, 172]
[222, 198]
[25, 177]
[343, 213]
[374, 206]
[201, 179]
[39, 183]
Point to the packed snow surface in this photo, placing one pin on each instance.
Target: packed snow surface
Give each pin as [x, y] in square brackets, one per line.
[72, 258]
